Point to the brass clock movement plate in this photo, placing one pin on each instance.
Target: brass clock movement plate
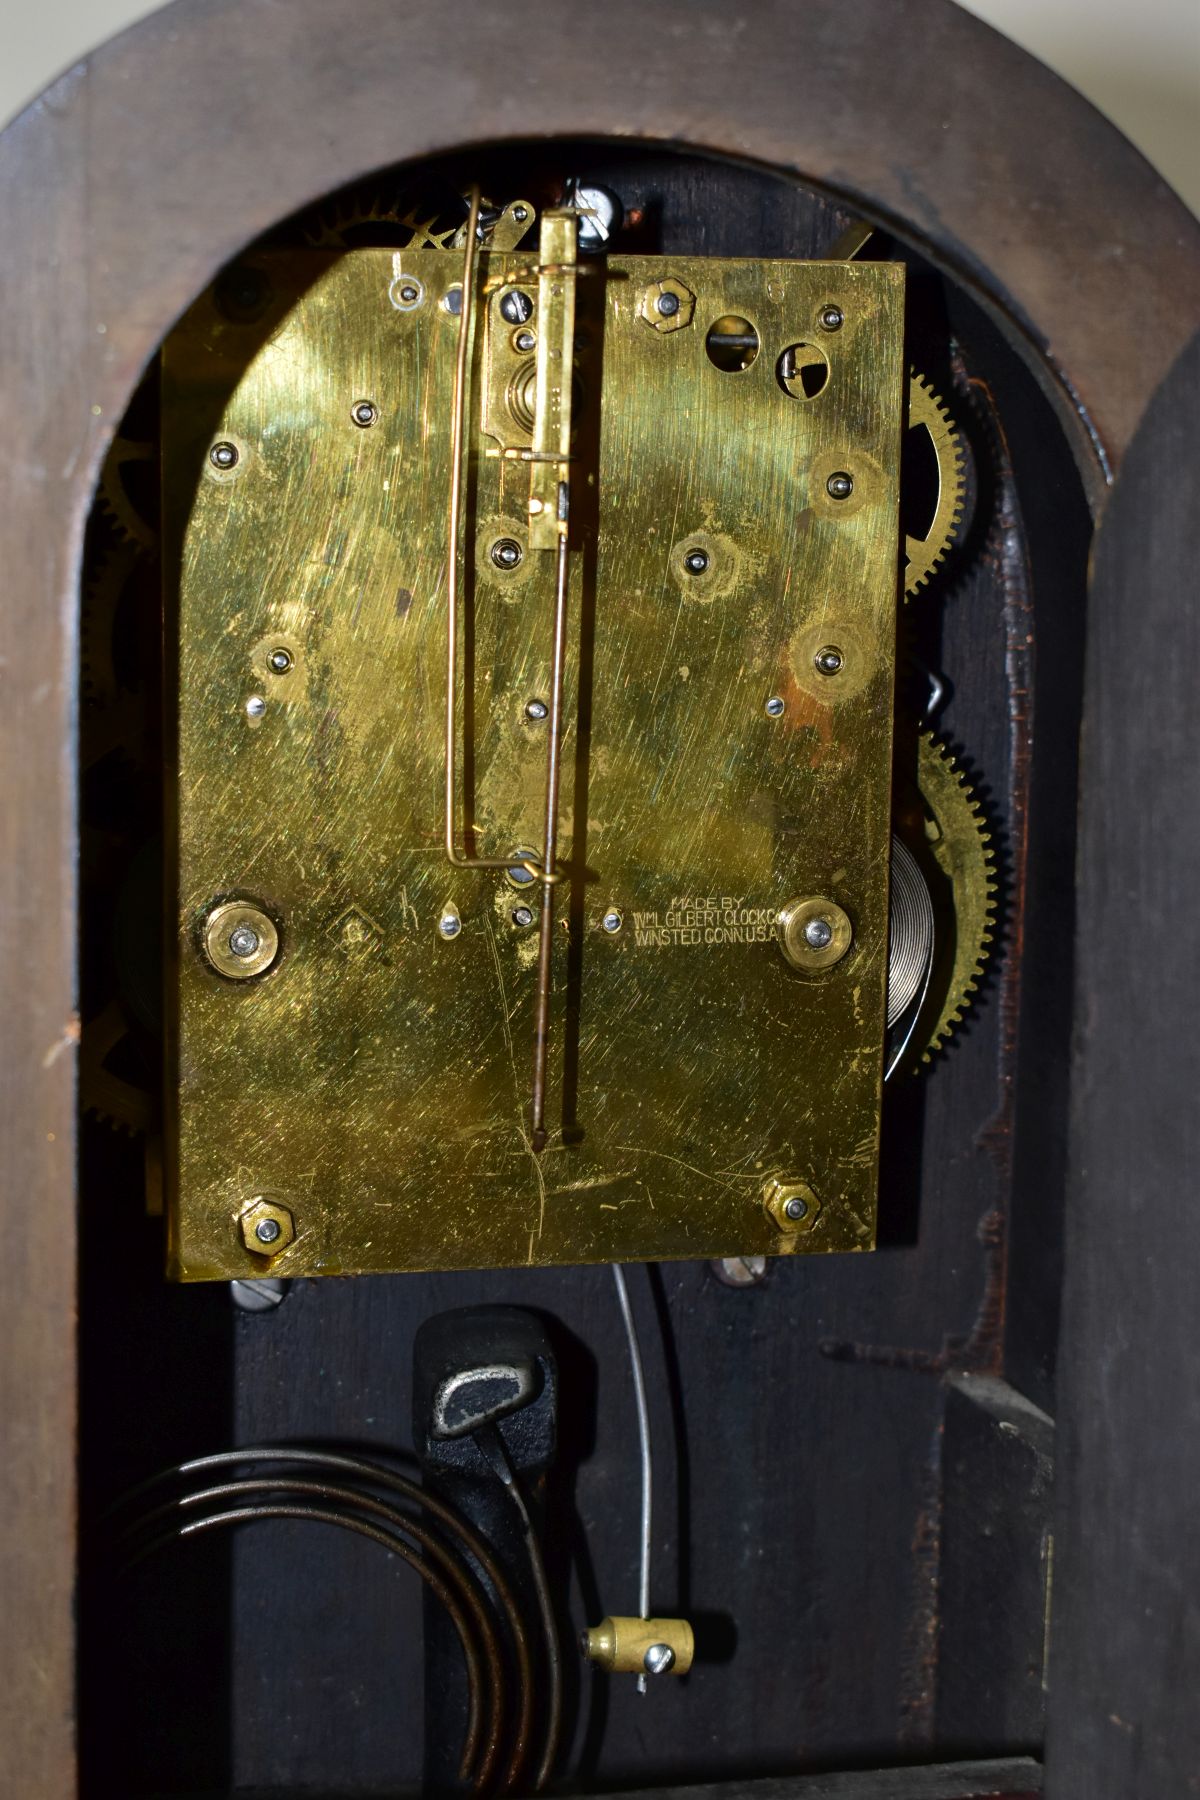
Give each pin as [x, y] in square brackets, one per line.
[354, 1006]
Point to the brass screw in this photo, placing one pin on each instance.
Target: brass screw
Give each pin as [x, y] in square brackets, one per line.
[267, 1227]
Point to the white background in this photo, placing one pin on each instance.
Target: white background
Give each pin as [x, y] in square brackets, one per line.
[1138, 60]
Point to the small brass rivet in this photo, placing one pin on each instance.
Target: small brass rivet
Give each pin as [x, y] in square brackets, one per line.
[405, 293]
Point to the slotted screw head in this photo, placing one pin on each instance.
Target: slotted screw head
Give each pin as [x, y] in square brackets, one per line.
[659, 1659]
[516, 307]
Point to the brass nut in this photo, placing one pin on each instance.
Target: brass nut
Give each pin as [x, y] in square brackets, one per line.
[814, 933]
[240, 940]
[792, 1204]
[667, 305]
[267, 1227]
[641, 1646]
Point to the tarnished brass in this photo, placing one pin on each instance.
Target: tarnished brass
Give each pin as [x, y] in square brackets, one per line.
[621, 1645]
[378, 1073]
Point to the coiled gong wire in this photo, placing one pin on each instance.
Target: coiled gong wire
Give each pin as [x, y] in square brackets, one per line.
[329, 1488]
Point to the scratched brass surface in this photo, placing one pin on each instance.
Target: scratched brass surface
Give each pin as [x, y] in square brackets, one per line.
[375, 1081]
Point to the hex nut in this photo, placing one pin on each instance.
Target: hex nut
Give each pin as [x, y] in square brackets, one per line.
[648, 310]
[784, 1195]
[260, 1211]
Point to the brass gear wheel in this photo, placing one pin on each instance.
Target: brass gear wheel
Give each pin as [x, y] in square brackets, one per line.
[348, 220]
[926, 412]
[109, 1090]
[956, 839]
[129, 464]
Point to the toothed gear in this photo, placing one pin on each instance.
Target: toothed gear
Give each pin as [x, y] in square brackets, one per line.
[117, 501]
[338, 226]
[927, 412]
[958, 840]
[107, 1093]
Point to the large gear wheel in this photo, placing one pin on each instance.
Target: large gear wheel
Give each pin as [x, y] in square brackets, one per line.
[923, 553]
[955, 838]
[364, 215]
[127, 486]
